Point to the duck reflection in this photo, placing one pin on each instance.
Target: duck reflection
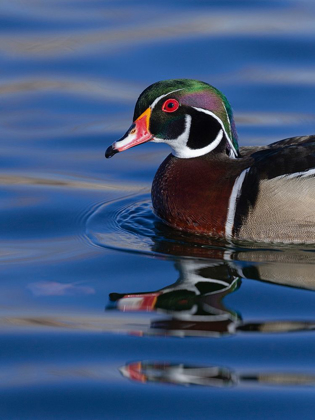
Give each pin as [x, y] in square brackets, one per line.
[193, 303]
[211, 376]
[288, 265]
[194, 306]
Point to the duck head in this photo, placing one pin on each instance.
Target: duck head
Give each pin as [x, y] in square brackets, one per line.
[194, 118]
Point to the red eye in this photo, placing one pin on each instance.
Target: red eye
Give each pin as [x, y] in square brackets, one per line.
[170, 105]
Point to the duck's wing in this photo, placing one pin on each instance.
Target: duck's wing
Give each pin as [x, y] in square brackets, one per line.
[285, 198]
[293, 141]
[247, 151]
[289, 157]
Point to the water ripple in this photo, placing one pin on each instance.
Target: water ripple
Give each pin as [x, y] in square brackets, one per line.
[129, 224]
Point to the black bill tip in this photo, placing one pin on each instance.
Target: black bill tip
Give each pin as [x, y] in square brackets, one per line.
[110, 152]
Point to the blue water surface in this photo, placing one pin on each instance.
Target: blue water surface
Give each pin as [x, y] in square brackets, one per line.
[104, 311]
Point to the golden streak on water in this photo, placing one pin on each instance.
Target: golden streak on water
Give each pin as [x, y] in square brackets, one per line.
[64, 183]
[117, 90]
[86, 323]
[176, 27]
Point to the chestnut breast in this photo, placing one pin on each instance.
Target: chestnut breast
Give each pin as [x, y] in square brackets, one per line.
[193, 194]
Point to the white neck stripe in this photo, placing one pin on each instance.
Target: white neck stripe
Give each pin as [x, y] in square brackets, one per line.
[228, 118]
[162, 96]
[235, 195]
[206, 111]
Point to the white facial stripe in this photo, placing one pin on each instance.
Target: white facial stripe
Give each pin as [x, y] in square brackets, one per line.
[235, 194]
[162, 96]
[206, 111]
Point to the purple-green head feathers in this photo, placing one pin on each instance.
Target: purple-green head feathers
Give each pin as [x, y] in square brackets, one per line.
[191, 93]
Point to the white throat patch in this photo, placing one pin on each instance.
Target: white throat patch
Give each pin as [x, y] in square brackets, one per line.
[179, 145]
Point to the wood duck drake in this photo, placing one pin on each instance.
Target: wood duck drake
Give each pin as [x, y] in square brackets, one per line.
[208, 185]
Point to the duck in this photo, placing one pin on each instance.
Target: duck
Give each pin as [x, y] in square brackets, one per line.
[209, 185]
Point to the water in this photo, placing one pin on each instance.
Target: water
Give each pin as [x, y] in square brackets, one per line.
[105, 312]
